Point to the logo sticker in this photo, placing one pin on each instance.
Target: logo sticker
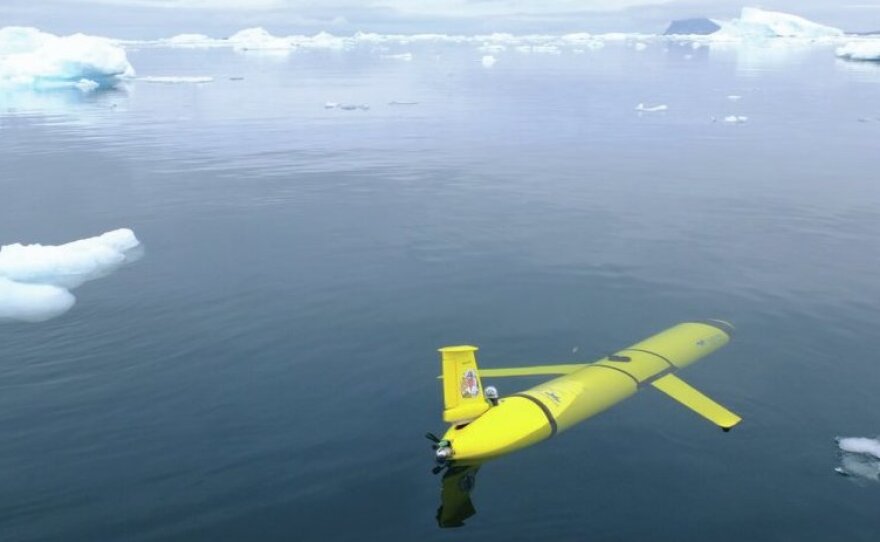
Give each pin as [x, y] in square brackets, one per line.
[469, 386]
[553, 396]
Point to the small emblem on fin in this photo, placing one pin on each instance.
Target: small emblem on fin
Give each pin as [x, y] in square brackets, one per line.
[469, 386]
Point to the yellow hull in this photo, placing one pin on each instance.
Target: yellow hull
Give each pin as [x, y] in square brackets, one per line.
[536, 414]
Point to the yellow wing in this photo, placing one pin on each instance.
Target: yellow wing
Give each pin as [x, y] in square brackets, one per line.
[690, 397]
[534, 370]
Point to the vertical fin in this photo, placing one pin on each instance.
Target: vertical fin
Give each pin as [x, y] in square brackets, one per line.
[462, 390]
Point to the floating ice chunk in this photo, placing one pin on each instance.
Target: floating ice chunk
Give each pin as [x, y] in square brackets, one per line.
[860, 445]
[859, 457]
[30, 58]
[734, 98]
[401, 56]
[546, 49]
[639, 46]
[396, 102]
[35, 279]
[651, 108]
[860, 50]
[32, 302]
[331, 105]
[488, 61]
[353, 107]
[735, 119]
[172, 79]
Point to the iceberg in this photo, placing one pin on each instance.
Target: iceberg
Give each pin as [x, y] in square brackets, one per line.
[860, 50]
[698, 26]
[35, 279]
[258, 39]
[39, 60]
[759, 23]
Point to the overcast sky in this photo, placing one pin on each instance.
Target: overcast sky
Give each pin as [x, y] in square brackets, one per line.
[162, 18]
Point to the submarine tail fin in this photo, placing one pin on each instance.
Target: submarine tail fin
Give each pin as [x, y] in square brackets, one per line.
[692, 398]
[462, 390]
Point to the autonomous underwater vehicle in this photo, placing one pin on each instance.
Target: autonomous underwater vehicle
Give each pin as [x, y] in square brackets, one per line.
[484, 426]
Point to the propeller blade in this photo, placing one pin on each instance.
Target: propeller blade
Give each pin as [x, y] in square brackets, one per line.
[432, 437]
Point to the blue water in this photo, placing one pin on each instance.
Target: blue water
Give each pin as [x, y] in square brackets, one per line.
[267, 370]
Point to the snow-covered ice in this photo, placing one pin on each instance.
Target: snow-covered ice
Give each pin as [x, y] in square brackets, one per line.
[651, 108]
[868, 49]
[860, 445]
[859, 458]
[39, 60]
[488, 61]
[35, 279]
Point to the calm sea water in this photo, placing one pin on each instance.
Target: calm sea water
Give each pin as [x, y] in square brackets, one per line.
[267, 370]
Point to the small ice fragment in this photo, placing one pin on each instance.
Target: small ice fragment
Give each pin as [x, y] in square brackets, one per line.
[353, 107]
[639, 46]
[859, 445]
[395, 102]
[734, 98]
[868, 50]
[174, 79]
[735, 119]
[236, 78]
[488, 61]
[651, 108]
[331, 105]
[574, 350]
[688, 57]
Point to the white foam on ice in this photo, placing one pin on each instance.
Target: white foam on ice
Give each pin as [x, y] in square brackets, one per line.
[172, 79]
[860, 445]
[39, 60]
[488, 61]
[35, 279]
[651, 108]
[868, 49]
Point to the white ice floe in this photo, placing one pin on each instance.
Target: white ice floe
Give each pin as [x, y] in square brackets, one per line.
[398, 102]
[759, 23]
[734, 98]
[39, 60]
[331, 105]
[735, 119]
[651, 108]
[35, 279]
[859, 458]
[860, 445]
[172, 79]
[640, 46]
[868, 49]
[488, 61]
